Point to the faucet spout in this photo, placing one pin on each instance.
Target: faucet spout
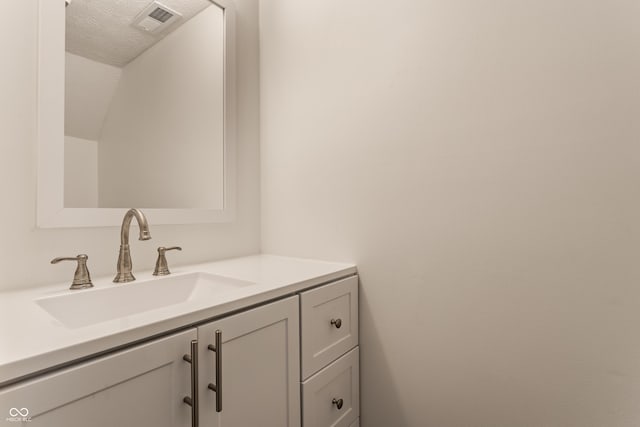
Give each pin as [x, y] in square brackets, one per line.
[125, 265]
[126, 225]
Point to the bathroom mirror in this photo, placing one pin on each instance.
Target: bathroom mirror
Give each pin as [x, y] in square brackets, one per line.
[136, 109]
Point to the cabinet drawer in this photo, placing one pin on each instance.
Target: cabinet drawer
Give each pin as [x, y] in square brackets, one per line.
[329, 323]
[336, 384]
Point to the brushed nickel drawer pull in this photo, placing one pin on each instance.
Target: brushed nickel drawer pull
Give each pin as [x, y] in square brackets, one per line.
[338, 403]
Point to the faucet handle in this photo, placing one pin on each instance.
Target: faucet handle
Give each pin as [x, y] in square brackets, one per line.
[162, 269]
[81, 278]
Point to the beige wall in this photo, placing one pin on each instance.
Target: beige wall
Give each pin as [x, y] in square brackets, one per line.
[480, 161]
[80, 173]
[25, 252]
[88, 90]
[89, 87]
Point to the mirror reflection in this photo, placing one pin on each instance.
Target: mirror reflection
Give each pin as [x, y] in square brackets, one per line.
[144, 86]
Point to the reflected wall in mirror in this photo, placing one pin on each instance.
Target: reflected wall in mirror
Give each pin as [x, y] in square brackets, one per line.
[144, 104]
[136, 108]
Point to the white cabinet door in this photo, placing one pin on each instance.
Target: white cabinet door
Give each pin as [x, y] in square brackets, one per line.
[141, 386]
[260, 368]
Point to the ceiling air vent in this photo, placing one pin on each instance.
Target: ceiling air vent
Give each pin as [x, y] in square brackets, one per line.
[159, 14]
[156, 18]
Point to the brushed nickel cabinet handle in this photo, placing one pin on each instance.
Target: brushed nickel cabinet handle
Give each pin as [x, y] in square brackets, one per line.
[337, 323]
[217, 387]
[338, 403]
[193, 399]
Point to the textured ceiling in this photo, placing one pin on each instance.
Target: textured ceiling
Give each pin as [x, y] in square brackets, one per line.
[101, 30]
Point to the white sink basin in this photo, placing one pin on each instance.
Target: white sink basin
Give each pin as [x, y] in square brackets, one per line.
[87, 307]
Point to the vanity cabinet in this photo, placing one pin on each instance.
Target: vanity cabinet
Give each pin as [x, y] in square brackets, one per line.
[330, 375]
[140, 386]
[258, 353]
[286, 363]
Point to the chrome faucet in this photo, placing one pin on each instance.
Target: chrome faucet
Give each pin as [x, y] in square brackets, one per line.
[124, 258]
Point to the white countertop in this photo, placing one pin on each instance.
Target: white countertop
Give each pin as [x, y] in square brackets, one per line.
[31, 340]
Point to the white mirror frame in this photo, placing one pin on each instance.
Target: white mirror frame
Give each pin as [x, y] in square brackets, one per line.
[51, 212]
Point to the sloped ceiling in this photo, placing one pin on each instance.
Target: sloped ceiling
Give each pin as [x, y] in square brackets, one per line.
[101, 30]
